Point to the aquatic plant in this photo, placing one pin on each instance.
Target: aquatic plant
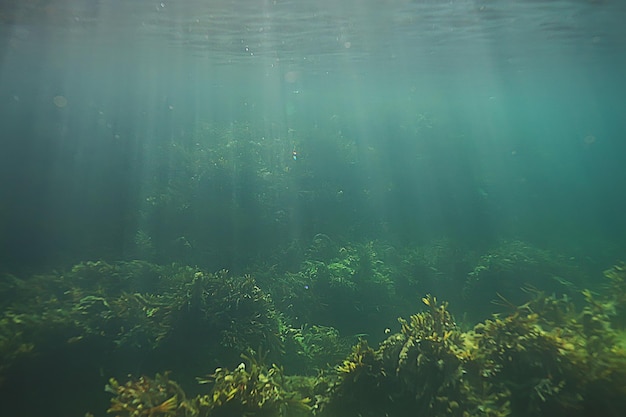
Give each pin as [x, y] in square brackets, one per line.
[419, 371]
[616, 295]
[252, 389]
[352, 290]
[524, 358]
[236, 309]
[309, 349]
[125, 307]
[553, 359]
[146, 397]
[511, 266]
[545, 358]
[227, 189]
[552, 355]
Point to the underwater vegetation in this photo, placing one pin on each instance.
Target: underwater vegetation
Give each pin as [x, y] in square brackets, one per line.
[225, 195]
[281, 342]
[251, 390]
[339, 286]
[545, 358]
[615, 303]
[311, 348]
[137, 306]
[362, 287]
[423, 370]
[512, 265]
[148, 397]
[110, 310]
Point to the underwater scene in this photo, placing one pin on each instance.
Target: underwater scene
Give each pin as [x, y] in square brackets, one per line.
[295, 208]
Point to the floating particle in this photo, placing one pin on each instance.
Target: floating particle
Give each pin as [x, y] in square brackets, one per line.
[59, 101]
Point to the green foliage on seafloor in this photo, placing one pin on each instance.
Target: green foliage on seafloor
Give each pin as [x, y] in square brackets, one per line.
[419, 371]
[118, 308]
[236, 309]
[309, 349]
[340, 285]
[251, 389]
[545, 358]
[359, 287]
[513, 265]
[615, 302]
[212, 182]
[145, 396]
[554, 360]
[131, 306]
[244, 184]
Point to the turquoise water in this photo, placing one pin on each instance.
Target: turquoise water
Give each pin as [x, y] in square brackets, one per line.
[255, 135]
[475, 119]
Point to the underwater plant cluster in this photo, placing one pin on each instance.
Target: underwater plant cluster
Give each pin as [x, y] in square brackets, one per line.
[174, 340]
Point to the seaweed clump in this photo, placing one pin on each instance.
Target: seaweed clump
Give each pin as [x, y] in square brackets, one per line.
[420, 371]
[347, 287]
[553, 359]
[251, 389]
[116, 309]
[616, 300]
[545, 358]
[512, 266]
[149, 397]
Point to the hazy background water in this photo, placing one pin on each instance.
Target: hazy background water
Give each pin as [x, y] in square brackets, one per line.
[473, 119]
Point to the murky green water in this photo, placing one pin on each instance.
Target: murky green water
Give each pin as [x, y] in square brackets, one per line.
[350, 157]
